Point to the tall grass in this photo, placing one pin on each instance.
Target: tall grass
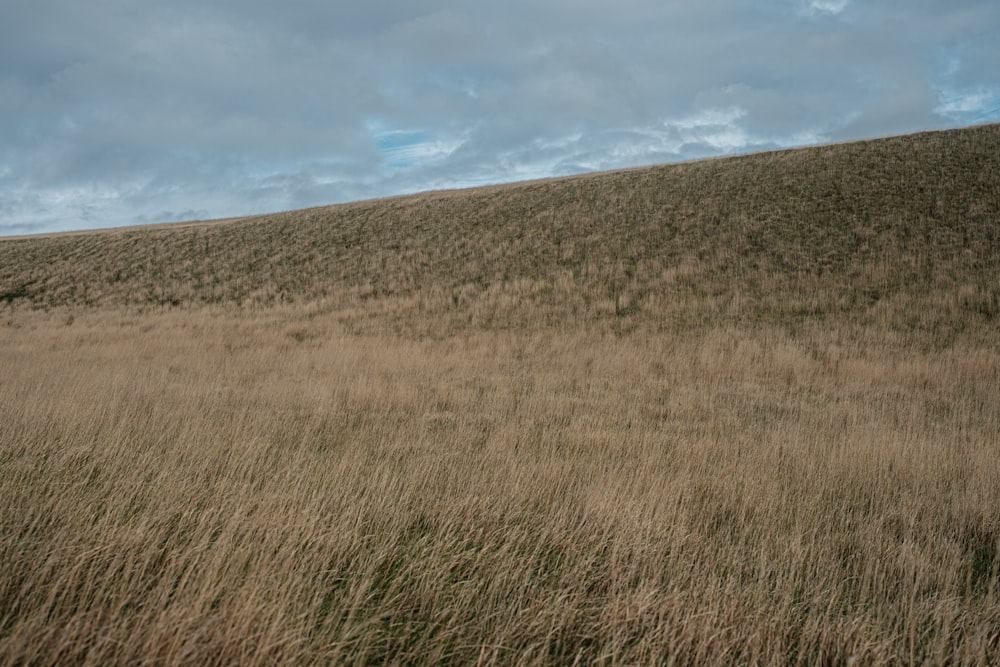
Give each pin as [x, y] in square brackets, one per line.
[901, 230]
[664, 451]
[193, 488]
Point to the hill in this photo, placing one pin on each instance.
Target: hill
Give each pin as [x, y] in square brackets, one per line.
[901, 232]
[737, 411]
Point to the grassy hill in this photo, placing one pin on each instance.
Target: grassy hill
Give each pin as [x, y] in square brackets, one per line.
[736, 411]
[901, 232]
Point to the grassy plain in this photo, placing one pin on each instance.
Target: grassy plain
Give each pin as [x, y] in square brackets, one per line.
[727, 412]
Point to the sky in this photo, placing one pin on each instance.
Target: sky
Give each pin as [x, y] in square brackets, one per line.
[123, 112]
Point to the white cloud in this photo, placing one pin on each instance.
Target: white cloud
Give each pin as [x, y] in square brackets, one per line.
[827, 6]
[419, 153]
[112, 114]
[962, 104]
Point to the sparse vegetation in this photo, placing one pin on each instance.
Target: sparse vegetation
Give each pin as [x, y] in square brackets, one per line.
[727, 412]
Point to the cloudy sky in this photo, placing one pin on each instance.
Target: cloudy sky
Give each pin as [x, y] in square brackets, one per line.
[117, 112]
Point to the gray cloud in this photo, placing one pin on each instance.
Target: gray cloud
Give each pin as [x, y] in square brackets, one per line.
[115, 113]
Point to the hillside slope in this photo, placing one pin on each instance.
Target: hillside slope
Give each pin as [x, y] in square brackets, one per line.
[902, 232]
[740, 411]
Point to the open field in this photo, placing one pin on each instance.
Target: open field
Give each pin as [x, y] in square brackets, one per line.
[727, 412]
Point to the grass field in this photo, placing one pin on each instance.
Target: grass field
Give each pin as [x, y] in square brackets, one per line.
[740, 411]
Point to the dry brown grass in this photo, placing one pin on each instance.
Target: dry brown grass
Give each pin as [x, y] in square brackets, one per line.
[901, 233]
[536, 436]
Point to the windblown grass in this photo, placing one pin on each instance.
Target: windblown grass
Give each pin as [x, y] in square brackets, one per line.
[512, 426]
